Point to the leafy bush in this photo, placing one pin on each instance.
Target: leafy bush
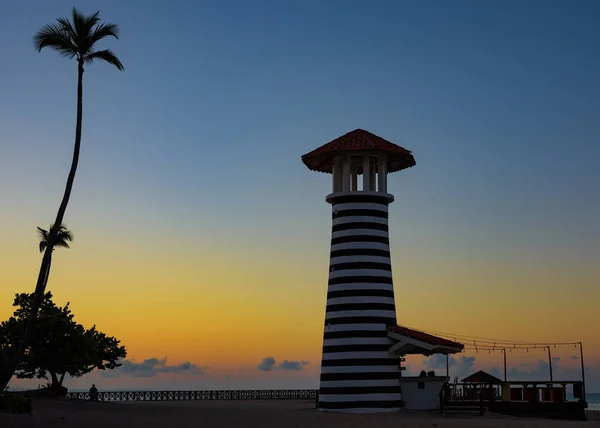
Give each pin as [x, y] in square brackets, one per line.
[52, 391]
[15, 403]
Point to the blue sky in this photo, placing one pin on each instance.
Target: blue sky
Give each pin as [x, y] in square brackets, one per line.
[198, 142]
[498, 101]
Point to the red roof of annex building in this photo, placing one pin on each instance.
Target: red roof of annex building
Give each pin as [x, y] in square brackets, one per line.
[424, 337]
[359, 140]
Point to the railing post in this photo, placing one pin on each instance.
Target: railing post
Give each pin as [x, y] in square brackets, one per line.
[442, 396]
[481, 402]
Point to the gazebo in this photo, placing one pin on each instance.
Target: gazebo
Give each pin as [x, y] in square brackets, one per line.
[482, 383]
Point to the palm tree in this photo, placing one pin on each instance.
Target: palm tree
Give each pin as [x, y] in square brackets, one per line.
[75, 39]
[63, 237]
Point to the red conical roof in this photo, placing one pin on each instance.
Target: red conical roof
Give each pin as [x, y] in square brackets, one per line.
[359, 140]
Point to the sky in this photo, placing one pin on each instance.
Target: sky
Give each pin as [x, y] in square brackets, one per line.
[202, 241]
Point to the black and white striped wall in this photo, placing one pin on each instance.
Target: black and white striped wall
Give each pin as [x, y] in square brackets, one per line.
[357, 375]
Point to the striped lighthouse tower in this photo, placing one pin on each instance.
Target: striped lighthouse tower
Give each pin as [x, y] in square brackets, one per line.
[357, 373]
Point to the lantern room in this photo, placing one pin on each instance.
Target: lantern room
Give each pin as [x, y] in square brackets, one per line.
[359, 161]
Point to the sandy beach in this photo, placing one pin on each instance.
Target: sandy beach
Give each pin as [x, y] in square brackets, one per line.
[251, 414]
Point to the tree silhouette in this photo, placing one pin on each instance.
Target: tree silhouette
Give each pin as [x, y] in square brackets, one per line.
[61, 346]
[63, 237]
[75, 39]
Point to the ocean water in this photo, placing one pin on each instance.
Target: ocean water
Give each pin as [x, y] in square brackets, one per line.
[593, 400]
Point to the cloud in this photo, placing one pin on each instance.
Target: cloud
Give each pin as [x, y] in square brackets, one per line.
[292, 365]
[540, 371]
[267, 364]
[438, 361]
[495, 371]
[462, 366]
[151, 367]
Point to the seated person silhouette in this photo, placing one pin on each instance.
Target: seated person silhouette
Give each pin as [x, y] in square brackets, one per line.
[93, 392]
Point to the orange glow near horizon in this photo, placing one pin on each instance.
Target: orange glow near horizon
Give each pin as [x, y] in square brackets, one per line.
[234, 308]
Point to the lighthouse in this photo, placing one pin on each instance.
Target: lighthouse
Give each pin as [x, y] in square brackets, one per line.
[357, 372]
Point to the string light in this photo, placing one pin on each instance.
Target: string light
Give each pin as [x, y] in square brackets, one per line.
[493, 344]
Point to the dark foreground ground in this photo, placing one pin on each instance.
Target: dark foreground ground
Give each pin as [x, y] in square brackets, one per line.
[251, 414]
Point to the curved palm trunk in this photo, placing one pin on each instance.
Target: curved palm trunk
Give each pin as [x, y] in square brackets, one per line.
[15, 357]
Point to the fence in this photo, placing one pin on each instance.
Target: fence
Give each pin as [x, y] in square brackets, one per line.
[258, 394]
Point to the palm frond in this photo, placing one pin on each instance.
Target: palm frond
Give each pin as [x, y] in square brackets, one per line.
[61, 243]
[78, 20]
[76, 37]
[67, 27]
[103, 30]
[62, 238]
[69, 31]
[43, 234]
[84, 25]
[91, 21]
[105, 55]
[64, 234]
[55, 37]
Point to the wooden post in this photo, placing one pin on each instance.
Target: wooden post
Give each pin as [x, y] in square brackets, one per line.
[582, 371]
[447, 367]
[504, 364]
[481, 412]
[550, 362]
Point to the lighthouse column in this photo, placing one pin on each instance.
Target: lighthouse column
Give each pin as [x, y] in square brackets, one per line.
[357, 375]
